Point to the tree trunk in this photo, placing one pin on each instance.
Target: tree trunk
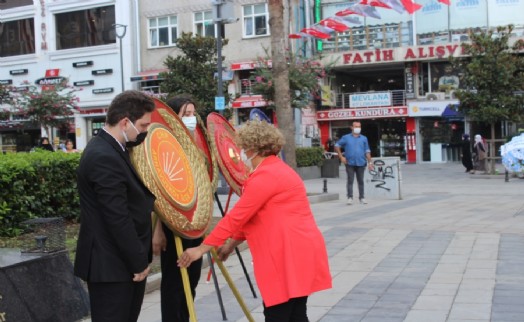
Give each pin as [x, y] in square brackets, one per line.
[492, 152]
[284, 111]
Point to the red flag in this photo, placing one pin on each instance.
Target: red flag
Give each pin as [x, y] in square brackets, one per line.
[333, 24]
[52, 72]
[374, 3]
[447, 2]
[294, 36]
[346, 12]
[410, 6]
[315, 33]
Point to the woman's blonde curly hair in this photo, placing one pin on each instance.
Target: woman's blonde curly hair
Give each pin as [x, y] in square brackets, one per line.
[261, 137]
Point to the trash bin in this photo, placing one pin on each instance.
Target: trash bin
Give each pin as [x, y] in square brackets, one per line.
[330, 168]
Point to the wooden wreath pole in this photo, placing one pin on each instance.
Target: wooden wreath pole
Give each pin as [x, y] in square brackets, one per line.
[185, 282]
[232, 286]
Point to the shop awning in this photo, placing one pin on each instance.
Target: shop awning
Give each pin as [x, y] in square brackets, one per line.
[249, 101]
[147, 75]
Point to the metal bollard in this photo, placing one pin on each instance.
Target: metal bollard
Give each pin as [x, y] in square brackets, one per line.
[506, 176]
[324, 190]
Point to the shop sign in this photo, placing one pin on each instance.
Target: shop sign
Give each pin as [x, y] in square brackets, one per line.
[402, 54]
[429, 108]
[409, 78]
[84, 83]
[19, 72]
[83, 64]
[103, 90]
[45, 81]
[6, 81]
[249, 65]
[102, 72]
[362, 113]
[370, 99]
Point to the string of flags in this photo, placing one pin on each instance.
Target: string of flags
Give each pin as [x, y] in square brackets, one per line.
[366, 8]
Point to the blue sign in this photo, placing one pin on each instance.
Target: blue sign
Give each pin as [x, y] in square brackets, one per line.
[220, 103]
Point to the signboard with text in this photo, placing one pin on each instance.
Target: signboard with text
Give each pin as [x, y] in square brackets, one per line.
[370, 99]
[362, 113]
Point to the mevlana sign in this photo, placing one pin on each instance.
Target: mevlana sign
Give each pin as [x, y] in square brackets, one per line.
[370, 99]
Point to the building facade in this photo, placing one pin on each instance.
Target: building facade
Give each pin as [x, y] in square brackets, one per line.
[77, 40]
[393, 75]
[390, 73]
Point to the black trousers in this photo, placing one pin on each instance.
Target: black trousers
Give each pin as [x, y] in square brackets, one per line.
[294, 310]
[172, 297]
[116, 302]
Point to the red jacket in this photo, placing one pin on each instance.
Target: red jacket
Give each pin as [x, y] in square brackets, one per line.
[273, 214]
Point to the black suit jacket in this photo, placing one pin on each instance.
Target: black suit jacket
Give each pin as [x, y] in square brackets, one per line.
[115, 229]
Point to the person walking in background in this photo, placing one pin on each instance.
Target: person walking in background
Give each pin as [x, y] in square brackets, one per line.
[356, 157]
[289, 252]
[113, 252]
[480, 154]
[467, 161]
[173, 302]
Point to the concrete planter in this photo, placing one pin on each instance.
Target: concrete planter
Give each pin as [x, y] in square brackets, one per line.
[307, 173]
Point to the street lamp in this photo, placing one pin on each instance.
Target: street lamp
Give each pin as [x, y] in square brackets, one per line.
[120, 31]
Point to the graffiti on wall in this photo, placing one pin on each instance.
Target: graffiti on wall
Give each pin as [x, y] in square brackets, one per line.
[383, 181]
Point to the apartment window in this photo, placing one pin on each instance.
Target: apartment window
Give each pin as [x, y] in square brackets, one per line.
[255, 20]
[85, 28]
[17, 37]
[163, 31]
[204, 25]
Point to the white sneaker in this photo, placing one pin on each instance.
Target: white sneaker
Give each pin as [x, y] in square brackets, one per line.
[363, 201]
[350, 201]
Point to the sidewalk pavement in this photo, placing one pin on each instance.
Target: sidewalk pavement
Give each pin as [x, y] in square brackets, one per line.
[451, 250]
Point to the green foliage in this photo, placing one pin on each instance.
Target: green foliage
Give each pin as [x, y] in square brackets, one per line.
[193, 72]
[307, 157]
[493, 73]
[304, 76]
[39, 184]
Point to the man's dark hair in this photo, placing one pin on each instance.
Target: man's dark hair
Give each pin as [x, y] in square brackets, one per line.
[178, 102]
[131, 104]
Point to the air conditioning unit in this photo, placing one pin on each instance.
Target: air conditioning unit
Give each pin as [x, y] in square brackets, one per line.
[435, 96]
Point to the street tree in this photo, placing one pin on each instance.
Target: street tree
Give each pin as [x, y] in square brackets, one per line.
[304, 75]
[492, 79]
[280, 73]
[193, 72]
[49, 107]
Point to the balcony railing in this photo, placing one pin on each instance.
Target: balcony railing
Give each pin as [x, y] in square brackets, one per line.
[371, 37]
[398, 98]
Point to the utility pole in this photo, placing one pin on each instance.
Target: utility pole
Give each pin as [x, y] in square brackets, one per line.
[222, 14]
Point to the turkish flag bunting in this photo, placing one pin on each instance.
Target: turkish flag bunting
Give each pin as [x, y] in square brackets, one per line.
[315, 33]
[375, 3]
[447, 2]
[410, 6]
[333, 24]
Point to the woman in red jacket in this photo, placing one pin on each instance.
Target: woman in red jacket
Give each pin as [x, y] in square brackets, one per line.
[273, 215]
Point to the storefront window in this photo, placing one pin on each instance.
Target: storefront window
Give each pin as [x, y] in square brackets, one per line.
[442, 132]
[85, 28]
[17, 37]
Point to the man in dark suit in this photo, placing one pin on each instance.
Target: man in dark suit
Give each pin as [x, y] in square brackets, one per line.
[114, 244]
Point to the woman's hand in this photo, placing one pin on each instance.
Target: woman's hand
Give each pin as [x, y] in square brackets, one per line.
[192, 254]
[225, 250]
